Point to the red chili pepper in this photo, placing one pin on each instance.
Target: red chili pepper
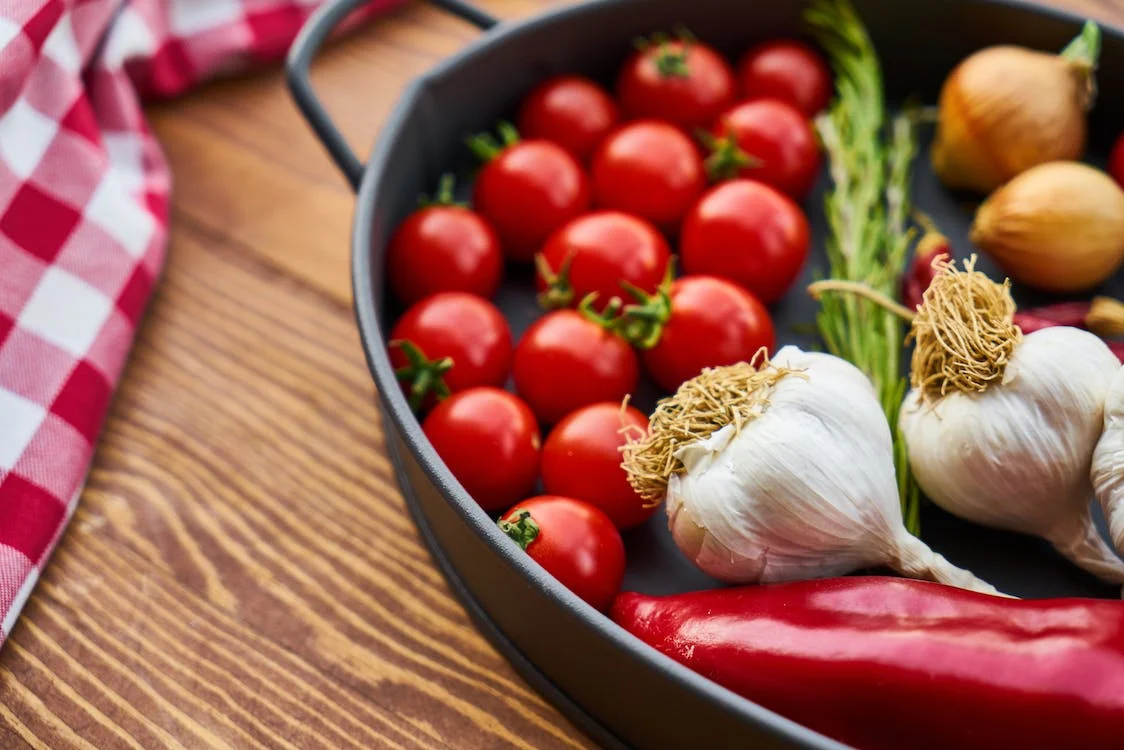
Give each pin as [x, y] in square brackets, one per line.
[1117, 348]
[888, 663]
[921, 272]
[1062, 313]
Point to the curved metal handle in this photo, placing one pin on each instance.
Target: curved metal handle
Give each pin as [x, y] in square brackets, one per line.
[318, 27]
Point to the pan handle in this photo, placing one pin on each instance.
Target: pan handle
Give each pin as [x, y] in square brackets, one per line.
[318, 27]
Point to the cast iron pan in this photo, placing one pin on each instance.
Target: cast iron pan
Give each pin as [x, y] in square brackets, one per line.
[620, 691]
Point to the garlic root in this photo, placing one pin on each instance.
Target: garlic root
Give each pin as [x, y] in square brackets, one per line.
[964, 332]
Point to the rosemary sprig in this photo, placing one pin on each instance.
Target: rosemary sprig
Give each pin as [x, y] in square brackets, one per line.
[868, 210]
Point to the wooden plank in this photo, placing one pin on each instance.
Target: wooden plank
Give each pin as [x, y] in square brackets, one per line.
[242, 570]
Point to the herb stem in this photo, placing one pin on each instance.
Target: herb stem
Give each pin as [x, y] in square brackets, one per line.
[818, 289]
[868, 207]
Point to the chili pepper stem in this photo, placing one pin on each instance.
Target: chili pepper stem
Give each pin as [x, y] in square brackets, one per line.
[818, 289]
[1106, 317]
[923, 220]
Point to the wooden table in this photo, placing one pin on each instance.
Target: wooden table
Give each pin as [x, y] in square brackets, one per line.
[241, 570]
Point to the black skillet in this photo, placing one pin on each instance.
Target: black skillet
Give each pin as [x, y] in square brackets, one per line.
[618, 690]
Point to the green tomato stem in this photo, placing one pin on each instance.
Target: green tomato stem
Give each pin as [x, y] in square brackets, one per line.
[523, 529]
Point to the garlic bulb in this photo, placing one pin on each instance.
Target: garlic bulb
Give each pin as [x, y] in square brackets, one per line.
[1001, 428]
[1058, 226]
[782, 472]
[1108, 461]
[1006, 109]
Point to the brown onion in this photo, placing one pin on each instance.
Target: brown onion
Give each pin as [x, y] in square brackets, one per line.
[1058, 227]
[1006, 109]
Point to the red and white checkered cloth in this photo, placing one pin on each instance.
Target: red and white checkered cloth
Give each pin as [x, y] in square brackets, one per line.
[83, 224]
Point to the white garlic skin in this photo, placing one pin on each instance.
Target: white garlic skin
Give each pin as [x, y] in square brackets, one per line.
[1017, 456]
[1108, 461]
[805, 490]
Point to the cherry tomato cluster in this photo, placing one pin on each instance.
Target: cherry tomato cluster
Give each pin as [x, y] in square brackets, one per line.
[599, 191]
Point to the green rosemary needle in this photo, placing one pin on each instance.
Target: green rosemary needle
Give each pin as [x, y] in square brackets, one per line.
[869, 158]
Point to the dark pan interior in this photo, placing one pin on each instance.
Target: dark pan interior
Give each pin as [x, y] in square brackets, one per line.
[459, 99]
[919, 42]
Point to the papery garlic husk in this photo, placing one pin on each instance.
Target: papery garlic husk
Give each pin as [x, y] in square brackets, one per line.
[1001, 428]
[799, 482]
[1058, 227]
[1108, 461]
[1006, 109]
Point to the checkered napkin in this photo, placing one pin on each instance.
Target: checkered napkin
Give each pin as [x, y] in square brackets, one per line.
[83, 224]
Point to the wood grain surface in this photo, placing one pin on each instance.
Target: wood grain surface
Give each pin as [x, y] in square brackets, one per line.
[241, 571]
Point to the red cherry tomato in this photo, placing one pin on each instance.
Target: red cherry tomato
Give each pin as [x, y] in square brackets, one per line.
[682, 82]
[788, 70]
[747, 232]
[527, 190]
[1116, 161]
[565, 360]
[650, 169]
[572, 111]
[443, 247]
[770, 141]
[581, 458]
[490, 442]
[574, 542]
[710, 322]
[463, 342]
[595, 253]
